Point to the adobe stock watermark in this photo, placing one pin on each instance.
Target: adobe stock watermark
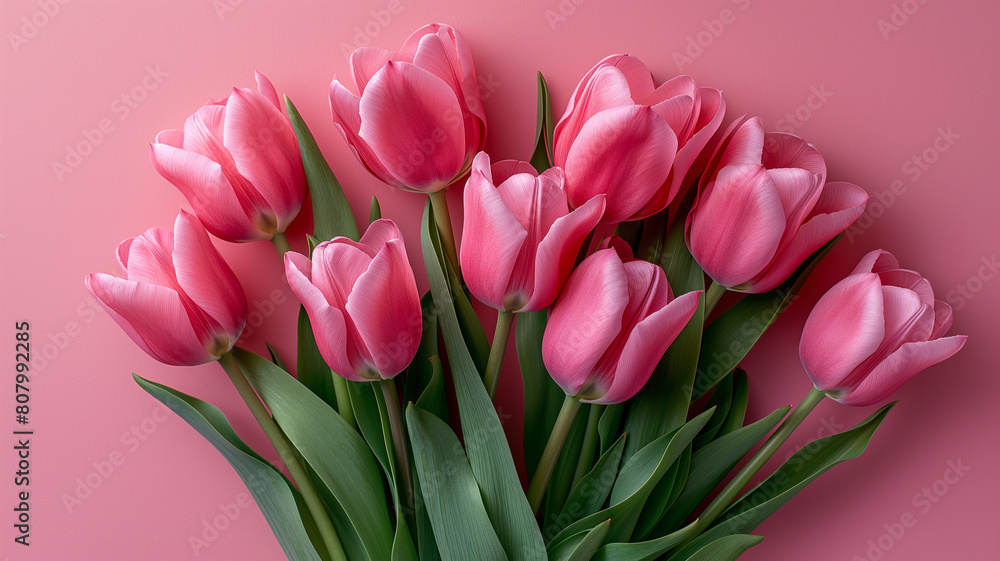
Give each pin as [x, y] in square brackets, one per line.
[562, 12]
[964, 292]
[58, 341]
[792, 121]
[913, 169]
[225, 7]
[121, 107]
[923, 501]
[713, 29]
[32, 24]
[373, 28]
[220, 521]
[898, 17]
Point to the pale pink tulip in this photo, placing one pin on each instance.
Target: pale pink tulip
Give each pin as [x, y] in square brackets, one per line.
[764, 207]
[418, 119]
[520, 239]
[362, 302]
[179, 301]
[875, 330]
[237, 162]
[634, 142]
[611, 325]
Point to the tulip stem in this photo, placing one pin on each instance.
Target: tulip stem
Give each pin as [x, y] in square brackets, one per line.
[344, 406]
[764, 453]
[712, 297]
[402, 453]
[439, 206]
[280, 242]
[586, 460]
[505, 320]
[553, 448]
[288, 456]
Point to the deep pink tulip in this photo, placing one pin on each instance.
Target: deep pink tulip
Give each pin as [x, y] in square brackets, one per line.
[764, 207]
[179, 301]
[237, 162]
[623, 137]
[611, 325]
[362, 302]
[520, 239]
[418, 119]
[875, 330]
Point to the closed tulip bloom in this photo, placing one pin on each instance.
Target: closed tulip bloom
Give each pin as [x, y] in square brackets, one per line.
[417, 120]
[765, 207]
[520, 239]
[237, 162]
[362, 302]
[634, 142]
[875, 330]
[611, 325]
[179, 301]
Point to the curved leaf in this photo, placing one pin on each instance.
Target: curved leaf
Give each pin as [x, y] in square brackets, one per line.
[643, 551]
[542, 396]
[582, 546]
[727, 548]
[592, 491]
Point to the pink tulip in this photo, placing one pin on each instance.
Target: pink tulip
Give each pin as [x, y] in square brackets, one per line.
[520, 239]
[418, 119]
[875, 330]
[611, 325]
[179, 301]
[237, 162]
[622, 137]
[362, 302]
[764, 207]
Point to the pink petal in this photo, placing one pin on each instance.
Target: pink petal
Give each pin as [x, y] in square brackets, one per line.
[876, 261]
[149, 258]
[434, 55]
[713, 109]
[170, 137]
[843, 329]
[678, 112]
[121, 254]
[152, 316]
[626, 153]
[408, 119]
[347, 119]
[745, 146]
[365, 62]
[638, 76]
[943, 319]
[900, 366]
[604, 87]
[266, 89]
[912, 280]
[502, 170]
[674, 87]
[783, 150]
[735, 230]
[336, 267]
[385, 308]
[380, 233]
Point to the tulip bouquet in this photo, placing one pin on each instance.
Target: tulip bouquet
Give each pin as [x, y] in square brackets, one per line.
[604, 256]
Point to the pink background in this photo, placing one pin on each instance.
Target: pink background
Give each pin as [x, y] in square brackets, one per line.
[888, 89]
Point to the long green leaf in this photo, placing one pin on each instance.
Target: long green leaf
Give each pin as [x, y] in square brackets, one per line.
[311, 369]
[273, 493]
[542, 396]
[592, 491]
[450, 492]
[544, 124]
[663, 495]
[338, 454]
[727, 548]
[643, 551]
[582, 546]
[738, 405]
[485, 442]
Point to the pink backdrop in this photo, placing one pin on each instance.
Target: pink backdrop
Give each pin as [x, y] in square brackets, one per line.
[899, 95]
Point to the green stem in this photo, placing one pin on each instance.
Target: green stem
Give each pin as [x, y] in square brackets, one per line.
[586, 460]
[722, 501]
[344, 405]
[553, 448]
[402, 453]
[286, 452]
[505, 320]
[280, 242]
[439, 206]
[712, 297]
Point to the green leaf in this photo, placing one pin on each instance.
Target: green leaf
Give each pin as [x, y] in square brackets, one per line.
[738, 405]
[800, 470]
[542, 396]
[636, 481]
[643, 551]
[486, 444]
[663, 495]
[592, 491]
[561, 479]
[367, 412]
[276, 497]
[607, 427]
[338, 454]
[433, 398]
[727, 548]
[582, 546]
[311, 369]
[274, 357]
[374, 211]
[731, 336]
[709, 466]
[451, 495]
[332, 215]
[420, 371]
[544, 125]
[721, 399]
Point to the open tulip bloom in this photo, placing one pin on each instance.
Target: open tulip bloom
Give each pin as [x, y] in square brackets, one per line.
[622, 449]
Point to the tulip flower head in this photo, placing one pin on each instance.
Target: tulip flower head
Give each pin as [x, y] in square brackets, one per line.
[179, 301]
[611, 325]
[765, 206]
[417, 119]
[520, 239]
[362, 302]
[237, 162]
[875, 330]
[634, 142]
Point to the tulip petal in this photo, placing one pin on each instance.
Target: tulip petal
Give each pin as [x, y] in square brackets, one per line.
[604, 87]
[906, 320]
[152, 316]
[347, 118]
[713, 108]
[784, 150]
[646, 345]
[904, 278]
[675, 87]
[336, 267]
[365, 62]
[408, 119]
[735, 230]
[149, 259]
[745, 146]
[638, 76]
[385, 308]
[875, 261]
[380, 233]
[799, 191]
[504, 169]
[266, 89]
[900, 366]
[434, 55]
[678, 112]
[844, 328]
[943, 318]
